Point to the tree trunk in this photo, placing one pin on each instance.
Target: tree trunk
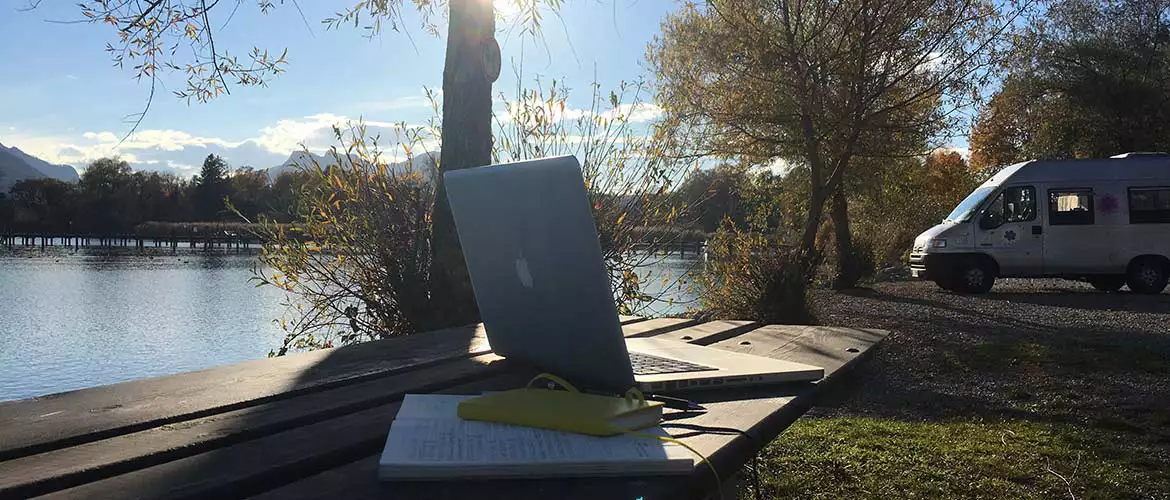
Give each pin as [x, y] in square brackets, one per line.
[809, 256]
[848, 266]
[466, 142]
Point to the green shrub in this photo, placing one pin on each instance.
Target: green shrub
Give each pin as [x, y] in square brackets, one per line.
[750, 276]
[857, 266]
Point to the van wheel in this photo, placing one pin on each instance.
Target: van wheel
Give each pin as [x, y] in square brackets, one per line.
[1147, 275]
[1107, 283]
[976, 276]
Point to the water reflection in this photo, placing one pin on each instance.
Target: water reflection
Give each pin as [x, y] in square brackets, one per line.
[99, 317]
[75, 319]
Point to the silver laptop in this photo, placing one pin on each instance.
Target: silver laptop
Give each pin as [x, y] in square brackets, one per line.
[543, 291]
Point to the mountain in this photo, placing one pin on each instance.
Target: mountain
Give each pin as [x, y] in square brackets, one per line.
[424, 163]
[16, 166]
[63, 173]
[296, 161]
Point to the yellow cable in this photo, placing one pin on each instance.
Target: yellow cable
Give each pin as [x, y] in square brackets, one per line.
[560, 381]
[635, 394]
[702, 458]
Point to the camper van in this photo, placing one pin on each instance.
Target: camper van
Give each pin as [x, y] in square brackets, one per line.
[1105, 221]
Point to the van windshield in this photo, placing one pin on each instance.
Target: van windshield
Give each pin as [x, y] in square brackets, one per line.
[969, 205]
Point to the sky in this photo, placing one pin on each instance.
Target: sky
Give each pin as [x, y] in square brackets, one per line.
[61, 98]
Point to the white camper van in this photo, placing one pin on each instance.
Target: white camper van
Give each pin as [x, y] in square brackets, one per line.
[1105, 221]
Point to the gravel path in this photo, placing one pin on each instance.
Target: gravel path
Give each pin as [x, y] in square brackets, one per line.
[1043, 350]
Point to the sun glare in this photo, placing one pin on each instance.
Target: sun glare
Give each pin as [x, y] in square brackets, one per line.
[506, 8]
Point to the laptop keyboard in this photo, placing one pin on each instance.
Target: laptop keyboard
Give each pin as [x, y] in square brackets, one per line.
[649, 364]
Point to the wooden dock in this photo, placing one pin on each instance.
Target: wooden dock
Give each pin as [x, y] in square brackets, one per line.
[78, 241]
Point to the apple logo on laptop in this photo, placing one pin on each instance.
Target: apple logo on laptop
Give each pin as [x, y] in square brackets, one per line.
[523, 272]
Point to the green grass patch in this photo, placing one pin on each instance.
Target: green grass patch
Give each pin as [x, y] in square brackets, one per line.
[877, 458]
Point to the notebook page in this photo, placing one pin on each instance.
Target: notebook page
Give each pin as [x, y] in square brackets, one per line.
[428, 440]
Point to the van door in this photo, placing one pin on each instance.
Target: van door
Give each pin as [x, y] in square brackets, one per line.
[1074, 242]
[1010, 231]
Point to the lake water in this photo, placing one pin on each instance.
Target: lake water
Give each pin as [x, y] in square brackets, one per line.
[70, 321]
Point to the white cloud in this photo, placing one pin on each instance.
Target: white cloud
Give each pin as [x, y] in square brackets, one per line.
[180, 151]
[181, 168]
[314, 132]
[636, 113]
[103, 137]
[71, 76]
[288, 135]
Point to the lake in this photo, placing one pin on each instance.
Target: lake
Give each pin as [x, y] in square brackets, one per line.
[70, 321]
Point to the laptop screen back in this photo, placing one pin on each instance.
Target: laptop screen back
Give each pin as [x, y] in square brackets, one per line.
[532, 251]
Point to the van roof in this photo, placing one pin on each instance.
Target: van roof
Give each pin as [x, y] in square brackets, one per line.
[1089, 169]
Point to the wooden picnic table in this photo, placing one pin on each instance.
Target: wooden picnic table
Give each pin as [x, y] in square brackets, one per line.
[312, 425]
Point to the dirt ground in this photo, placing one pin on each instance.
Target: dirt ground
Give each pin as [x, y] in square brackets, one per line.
[1031, 351]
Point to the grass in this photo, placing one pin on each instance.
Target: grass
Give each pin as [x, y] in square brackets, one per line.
[861, 457]
[1040, 390]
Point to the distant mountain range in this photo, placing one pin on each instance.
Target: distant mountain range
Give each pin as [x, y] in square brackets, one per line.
[424, 164]
[16, 166]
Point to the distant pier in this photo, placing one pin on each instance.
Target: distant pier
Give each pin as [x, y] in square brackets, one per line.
[208, 241]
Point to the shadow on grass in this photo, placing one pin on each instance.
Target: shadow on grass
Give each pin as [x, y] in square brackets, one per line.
[960, 357]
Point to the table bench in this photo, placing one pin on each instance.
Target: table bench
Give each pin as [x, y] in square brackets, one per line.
[312, 425]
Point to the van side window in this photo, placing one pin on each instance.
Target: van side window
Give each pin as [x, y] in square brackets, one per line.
[1019, 204]
[1014, 204]
[1070, 207]
[1149, 205]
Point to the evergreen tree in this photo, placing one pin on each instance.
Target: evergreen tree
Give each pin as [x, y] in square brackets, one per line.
[211, 187]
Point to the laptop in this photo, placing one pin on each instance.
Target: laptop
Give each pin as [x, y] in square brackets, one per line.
[544, 294]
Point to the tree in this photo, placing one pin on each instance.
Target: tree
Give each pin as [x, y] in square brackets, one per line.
[896, 200]
[47, 205]
[211, 188]
[148, 33]
[711, 195]
[250, 192]
[107, 207]
[1089, 80]
[821, 84]
[285, 195]
[7, 212]
[472, 64]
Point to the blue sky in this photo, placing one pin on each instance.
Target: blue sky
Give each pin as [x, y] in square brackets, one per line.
[62, 100]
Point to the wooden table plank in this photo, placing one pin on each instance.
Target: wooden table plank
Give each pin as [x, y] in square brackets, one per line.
[70, 466]
[92, 461]
[340, 481]
[50, 422]
[656, 326]
[828, 347]
[709, 333]
[737, 424]
[256, 465]
[626, 320]
[55, 421]
[316, 446]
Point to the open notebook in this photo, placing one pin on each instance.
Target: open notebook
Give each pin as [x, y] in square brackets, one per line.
[428, 441]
